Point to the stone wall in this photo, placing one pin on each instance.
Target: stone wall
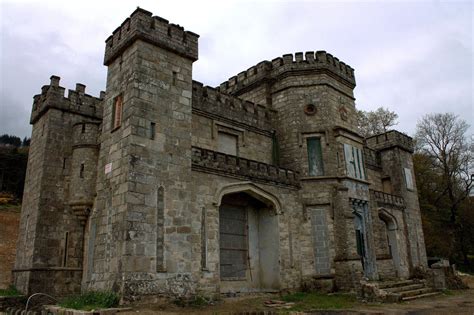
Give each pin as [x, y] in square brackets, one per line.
[9, 223]
[290, 217]
[144, 169]
[394, 161]
[234, 166]
[251, 145]
[51, 242]
[207, 100]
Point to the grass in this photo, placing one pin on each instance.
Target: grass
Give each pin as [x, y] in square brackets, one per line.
[91, 300]
[313, 301]
[11, 291]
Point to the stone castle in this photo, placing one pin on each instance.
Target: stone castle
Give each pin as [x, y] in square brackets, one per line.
[163, 186]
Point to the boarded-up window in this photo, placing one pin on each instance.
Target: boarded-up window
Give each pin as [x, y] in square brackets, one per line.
[387, 186]
[315, 157]
[319, 229]
[354, 162]
[408, 179]
[117, 112]
[227, 143]
[233, 242]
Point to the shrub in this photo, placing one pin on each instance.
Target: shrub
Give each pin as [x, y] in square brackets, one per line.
[11, 291]
[91, 300]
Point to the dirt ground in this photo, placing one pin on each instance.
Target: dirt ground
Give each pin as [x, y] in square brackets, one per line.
[452, 303]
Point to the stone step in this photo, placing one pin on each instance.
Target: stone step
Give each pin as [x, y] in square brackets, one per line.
[408, 287]
[414, 297]
[415, 292]
[393, 284]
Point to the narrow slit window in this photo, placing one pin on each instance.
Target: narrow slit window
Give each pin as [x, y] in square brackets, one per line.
[203, 239]
[152, 130]
[160, 235]
[83, 130]
[65, 252]
[64, 163]
[175, 75]
[81, 171]
[315, 157]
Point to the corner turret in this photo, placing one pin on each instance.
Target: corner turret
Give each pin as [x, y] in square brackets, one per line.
[154, 30]
[52, 96]
[390, 139]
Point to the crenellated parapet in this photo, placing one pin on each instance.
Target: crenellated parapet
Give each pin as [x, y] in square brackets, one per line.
[214, 103]
[238, 167]
[390, 139]
[387, 200]
[76, 101]
[152, 29]
[307, 63]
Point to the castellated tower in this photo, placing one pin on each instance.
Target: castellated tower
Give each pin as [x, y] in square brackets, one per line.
[398, 177]
[144, 167]
[316, 133]
[59, 189]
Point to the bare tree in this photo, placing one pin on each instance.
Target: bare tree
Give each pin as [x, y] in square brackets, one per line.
[375, 122]
[443, 138]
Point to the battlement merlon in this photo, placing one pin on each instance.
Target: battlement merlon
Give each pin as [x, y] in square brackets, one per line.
[77, 101]
[390, 139]
[316, 62]
[142, 25]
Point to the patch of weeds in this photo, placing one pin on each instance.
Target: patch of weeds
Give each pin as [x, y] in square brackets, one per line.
[195, 301]
[91, 300]
[11, 291]
[314, 301]
[448, 292]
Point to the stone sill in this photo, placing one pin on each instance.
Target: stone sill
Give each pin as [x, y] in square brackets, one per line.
[58, 310]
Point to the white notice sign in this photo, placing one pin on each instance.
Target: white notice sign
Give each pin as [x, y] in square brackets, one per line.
[108, 168]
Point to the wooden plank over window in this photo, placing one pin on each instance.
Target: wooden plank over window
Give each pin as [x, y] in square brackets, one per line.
[233, 242]
[354, 162]
[408, 178]
[227, 143]
[315, 157]
[117, 112]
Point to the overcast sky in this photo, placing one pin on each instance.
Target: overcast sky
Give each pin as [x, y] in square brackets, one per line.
[414, 57]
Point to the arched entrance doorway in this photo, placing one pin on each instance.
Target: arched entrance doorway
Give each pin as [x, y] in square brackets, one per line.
[248, 242]
[391, 228]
